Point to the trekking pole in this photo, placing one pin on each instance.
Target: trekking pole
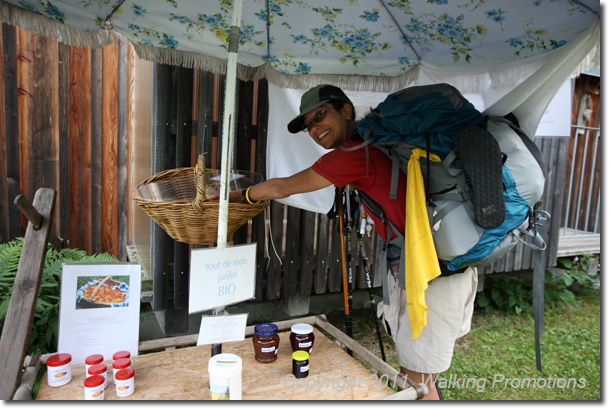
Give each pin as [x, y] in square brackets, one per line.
[369, 285]
[350, 276]
[348, 319]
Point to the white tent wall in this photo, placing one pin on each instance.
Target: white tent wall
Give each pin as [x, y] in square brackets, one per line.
[524, 88]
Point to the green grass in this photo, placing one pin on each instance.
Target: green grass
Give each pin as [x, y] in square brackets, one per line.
[497, 361]
[501, 347]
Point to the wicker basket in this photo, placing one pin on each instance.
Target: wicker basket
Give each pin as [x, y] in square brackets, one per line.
[176, 200]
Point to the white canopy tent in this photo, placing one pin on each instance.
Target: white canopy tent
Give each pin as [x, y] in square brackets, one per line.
[506, 56]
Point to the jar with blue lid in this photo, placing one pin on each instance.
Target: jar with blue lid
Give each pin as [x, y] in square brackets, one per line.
[266, 342]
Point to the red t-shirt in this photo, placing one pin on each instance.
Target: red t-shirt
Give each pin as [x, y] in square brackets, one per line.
[350, 167]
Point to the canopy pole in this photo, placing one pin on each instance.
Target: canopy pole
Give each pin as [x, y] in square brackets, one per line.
[228, 138]
[228, 124]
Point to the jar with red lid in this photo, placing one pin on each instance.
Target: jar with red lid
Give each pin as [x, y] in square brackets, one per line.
[93, 359]
[59, 369]
[120, 364]
[123, 354]
[100, 369]
[125, 382]
[94, 388]
[266, 342]
[302, 337]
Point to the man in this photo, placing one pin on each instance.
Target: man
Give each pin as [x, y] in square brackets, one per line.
[328, 115]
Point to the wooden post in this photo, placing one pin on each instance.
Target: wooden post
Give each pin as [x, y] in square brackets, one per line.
[20, 313]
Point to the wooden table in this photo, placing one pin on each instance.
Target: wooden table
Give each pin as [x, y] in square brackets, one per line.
[182, 374]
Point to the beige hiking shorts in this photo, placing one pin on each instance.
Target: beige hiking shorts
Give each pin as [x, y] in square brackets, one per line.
[450, 302]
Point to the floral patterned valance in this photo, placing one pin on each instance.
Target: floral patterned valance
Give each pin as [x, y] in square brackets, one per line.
[365, 37]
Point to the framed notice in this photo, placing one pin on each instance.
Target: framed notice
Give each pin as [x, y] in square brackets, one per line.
[222, 329]
[221, 276]
[99, 311]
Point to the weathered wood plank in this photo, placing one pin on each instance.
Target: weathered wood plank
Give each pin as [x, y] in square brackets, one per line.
[25, 95]
[65, 188]
[20, 314]
[293, 245]
[96, 88]
[80, 140]
[217, 119]
[307, 265]
[9, 46]
[4, 204]
[44, 155]
[161, 243]
[109, 148]
[184, 97]
[28, 380]
[204, 118]
[131, 84]
[322, 255]
[32, 215]
[123, 191]
[335, 272]
[242, 146]
[274, 273]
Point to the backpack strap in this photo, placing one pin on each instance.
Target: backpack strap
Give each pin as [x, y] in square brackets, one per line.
[537, 218]
[368, 139]
[453, 171]
[395, 171]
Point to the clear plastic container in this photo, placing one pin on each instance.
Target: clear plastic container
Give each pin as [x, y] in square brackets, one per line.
[185, 188]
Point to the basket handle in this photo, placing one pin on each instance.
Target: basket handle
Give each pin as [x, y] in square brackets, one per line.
[200, 174]
[98, 286]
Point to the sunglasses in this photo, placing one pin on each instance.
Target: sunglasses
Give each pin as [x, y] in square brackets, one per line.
[316, 119]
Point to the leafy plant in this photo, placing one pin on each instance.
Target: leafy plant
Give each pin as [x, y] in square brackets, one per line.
[43, 336]
[577, 270]
[505, 294]
[509, 294]
[575, 276]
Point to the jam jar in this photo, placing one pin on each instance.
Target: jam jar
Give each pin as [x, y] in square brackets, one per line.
[266, 342]
[300, 364]
[302, 337]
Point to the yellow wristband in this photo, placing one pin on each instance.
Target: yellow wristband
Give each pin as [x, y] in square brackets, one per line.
[248, 198]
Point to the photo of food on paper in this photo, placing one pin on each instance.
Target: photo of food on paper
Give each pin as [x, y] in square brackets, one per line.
[102, 292]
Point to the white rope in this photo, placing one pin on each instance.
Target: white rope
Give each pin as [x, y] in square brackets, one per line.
[268, 221]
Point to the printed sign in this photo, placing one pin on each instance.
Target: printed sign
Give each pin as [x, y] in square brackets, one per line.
[222, 329]
[221, 276]
[99, 311]
[557, 119]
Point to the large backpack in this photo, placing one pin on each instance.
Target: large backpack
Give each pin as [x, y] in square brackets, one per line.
[437, 118]
[433, 117]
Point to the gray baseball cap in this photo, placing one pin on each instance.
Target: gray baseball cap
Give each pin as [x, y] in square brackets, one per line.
[313, 99]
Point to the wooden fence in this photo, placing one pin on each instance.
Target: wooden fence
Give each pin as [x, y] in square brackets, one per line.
[64, 126]
[66, 119]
